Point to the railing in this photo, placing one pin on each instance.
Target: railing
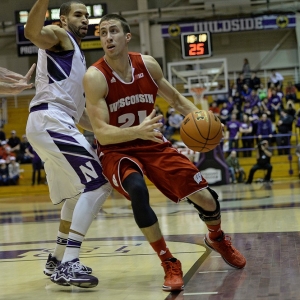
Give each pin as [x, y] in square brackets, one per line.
[272, 140]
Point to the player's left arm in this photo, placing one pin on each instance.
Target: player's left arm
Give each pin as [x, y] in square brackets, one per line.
[166, 90]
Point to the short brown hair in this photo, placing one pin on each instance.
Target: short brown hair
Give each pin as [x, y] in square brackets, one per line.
[124, 23]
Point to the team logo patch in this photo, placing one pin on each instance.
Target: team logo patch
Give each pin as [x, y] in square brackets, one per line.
[114, 180]
[113, 80]
[198, 177]
[139, 76]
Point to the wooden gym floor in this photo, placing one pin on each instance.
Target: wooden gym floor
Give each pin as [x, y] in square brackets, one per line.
[263, 221]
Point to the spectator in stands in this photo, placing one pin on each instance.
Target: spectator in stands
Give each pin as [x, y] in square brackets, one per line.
[232, 132]
[263, 156]
[3, 172]
[220, 98]
[255, 82]
[247, 135]
[262, 92]
[23, 157]
[4, 150]
[298, 156]
[246, 70]
[290, 92]
[290, 108]
[238, 101]
[276, 78]
[234, 168]
[284, 126]
[264, 128]
[246, 92]
[2, 135]
[275, 105]
[247, 109]
[12, 83]
[14, 142]
[232, 89]
[215, 108]
[37, 165]
[240, 81]
[254, 99]
[254, 118]
[13, 171]
[265, 107]
[224, 113]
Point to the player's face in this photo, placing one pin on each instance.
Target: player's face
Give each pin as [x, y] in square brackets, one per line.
[113, 38]
[77, 20]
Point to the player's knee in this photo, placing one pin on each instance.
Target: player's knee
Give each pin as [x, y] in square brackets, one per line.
[68, 209]
[208, 215]
[134, 185]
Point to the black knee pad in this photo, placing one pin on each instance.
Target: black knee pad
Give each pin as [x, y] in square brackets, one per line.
[208, 215]
[136, 187]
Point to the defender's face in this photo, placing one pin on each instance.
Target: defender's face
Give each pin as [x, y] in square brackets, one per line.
[77, 21]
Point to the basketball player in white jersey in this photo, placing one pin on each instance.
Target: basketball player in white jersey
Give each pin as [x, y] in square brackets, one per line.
[74, 173]
[12, 83]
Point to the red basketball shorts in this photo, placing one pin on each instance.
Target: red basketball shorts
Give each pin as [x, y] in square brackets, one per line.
[171, 172]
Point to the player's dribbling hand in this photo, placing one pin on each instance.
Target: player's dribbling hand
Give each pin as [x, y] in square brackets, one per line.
[149, 128]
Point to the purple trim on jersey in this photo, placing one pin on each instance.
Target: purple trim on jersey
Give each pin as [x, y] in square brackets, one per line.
[57, 135]
[77, 161]
[43, 106]
[63, 60]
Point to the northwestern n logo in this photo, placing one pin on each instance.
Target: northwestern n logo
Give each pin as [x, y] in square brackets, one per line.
[88, 171]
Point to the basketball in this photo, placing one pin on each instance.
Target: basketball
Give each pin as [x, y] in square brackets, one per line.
[201, 131]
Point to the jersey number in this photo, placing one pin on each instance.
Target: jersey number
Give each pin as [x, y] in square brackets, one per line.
[128, 120]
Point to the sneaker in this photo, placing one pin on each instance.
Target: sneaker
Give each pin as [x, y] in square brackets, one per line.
[173, 275]
[52, 263]
[73, 273]
[223, 246]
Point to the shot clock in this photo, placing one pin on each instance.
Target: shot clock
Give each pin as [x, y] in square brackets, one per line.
[196, 44]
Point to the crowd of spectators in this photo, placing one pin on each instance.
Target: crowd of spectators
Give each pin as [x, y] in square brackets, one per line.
[15, 151]
[251, 113]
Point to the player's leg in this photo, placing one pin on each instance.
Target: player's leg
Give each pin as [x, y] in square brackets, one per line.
[86, 209]
[147, 221]
[54, 259]
[207, 204]
[72, 169]
[177, 178]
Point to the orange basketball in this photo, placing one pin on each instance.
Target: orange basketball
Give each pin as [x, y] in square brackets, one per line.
[201, 131]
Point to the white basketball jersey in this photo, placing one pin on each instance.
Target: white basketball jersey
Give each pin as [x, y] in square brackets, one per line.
[59, 80]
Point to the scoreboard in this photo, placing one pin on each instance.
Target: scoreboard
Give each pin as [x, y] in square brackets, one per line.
[196, 45]
[90, 42]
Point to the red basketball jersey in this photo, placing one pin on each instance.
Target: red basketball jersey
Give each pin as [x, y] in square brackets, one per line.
[128, 102]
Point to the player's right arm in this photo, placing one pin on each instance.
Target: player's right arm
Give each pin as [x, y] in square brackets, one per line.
[95, 88]
[44, 37]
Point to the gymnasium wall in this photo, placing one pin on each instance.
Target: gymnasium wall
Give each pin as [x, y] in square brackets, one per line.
[235, 46]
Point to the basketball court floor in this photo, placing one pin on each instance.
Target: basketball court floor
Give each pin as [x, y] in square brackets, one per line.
[262, 220]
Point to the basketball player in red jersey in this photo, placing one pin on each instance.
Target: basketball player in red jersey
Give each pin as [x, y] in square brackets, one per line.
[120, 91]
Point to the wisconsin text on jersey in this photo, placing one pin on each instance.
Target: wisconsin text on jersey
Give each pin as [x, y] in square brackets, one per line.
[131, 100]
